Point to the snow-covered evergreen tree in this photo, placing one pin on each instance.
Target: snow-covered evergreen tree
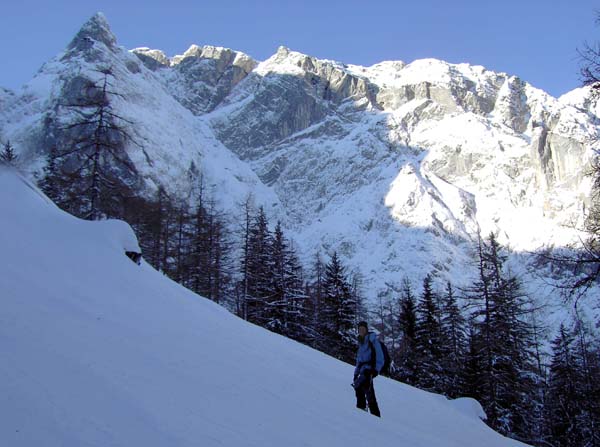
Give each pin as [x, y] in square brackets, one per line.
[563, 403]
[428, 340]
[299, 310]
[501, 344]
[54, 183]
[279, 304]
[338, 312]
[473, 364]
[153, 223]
[242, 295]
[315, 291]
[406, 356]
[209, 258]
[453, 345]
[587, 354]
[385, 319]
[8, 156]
[259, 264]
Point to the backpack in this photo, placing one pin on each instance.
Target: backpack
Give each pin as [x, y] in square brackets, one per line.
[385, 369]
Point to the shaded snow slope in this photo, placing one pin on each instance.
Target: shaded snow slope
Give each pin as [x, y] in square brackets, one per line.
[99, 351]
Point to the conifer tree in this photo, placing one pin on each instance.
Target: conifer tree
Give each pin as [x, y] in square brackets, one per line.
[386, 319]
[182, 243]
[586, 354]
[8, 156]
[259, 265]
[428, 340]
[316, 304]
[211, 248]
[503, 340]
[165, 216]
[453, 345]
[243, 287]
[406, 356]
[299, 312]
[221, 251]
[514, 360]
[480, 297]
[201, 243]
[539, 382]
[93, 162]
[338, 312]
[356, 284]
[152, 221]
[279, 304]
[53, 183]
[473, 364]
[564, 397]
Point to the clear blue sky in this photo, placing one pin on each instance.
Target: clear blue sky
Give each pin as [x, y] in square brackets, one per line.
[535, 40]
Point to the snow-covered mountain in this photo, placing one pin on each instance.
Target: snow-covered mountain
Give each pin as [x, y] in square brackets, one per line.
[98, 351]
[396, 166]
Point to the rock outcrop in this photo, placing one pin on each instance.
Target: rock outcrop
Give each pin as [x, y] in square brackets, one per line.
[396, 166]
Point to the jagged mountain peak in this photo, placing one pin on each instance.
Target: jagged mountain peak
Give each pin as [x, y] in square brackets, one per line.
[95, 29]
[584, 99]
[156, 55]
[286, 60]
[222, 54]
[389, 85]
[202, 76]
[390, 72]
[427, 151]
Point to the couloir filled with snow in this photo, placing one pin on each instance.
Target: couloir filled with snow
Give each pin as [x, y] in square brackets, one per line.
[99, 351]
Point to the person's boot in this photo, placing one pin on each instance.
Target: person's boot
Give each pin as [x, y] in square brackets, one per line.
[374, 410]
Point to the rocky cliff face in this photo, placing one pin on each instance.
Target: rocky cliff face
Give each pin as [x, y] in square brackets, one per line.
[397, 166]
[200, 78]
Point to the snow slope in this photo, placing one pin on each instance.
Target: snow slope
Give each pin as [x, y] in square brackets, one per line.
[98, 351]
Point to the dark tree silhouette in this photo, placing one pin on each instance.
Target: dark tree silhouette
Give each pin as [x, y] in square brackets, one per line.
[8, 156]
[92, 162]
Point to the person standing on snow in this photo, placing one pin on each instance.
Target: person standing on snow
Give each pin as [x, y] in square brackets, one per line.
[369, 361]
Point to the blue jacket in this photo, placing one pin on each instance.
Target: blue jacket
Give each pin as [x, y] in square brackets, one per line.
[363, 355]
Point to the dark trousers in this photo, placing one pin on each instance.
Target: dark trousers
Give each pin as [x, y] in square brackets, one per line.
[366, 393]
